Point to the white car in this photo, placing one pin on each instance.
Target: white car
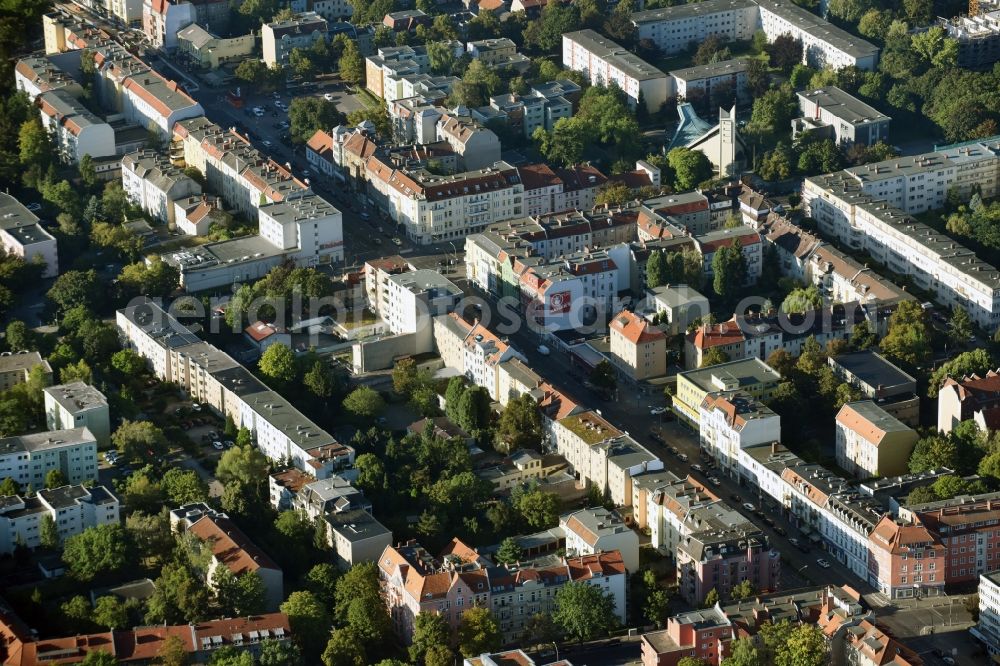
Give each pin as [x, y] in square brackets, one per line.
[823, 563]
[656, 411]
[217, 445]
[328, 97]
[543, 350]
[749, 507]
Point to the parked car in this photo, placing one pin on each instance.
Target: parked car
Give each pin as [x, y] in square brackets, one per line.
[656, 411]
[543, 350]
[656, 437]
[217, 445]
[769, 521]
[749, 507]
[683, 457]
[698, 468]
[34, 206]
[714, 480]
[778, 529]
[674, 450]
[823, 563]
[396, 241]
[328, 97]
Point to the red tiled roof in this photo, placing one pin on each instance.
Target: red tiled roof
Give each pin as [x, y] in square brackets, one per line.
[635, 329]
[537, 176]
[230, 546]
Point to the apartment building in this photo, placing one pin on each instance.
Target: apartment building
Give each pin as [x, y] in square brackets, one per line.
[963, 529]
[601, 455]
[543, 106]
[936, 263]
[678, 303]
[386, 57]
[675, 29]
[872, 442]
[638, 349]
[498, 53]
[73, 508]
[969, 398]
[978, 37]
[177, 355]
[555, 191]
[22, 236]
[719, 83]
[163, 19]
[731, 421]
[76, 131]
[751, 376]
[604, 62]
[669, 501]
[413, 299]
[16, 368]
[987, 629]
[598, 530]
[153, 184]
[523, 466]
[834, 114]
[436, 209]
[473, 350]
[726, 551]
[195, 215]
[906, 560]
[232, 549]
[356, 537]
[415, 581]
[477, 147]
[278, 38]
[760, 335]
[748, 240]
[78, 405]
[157, 104]
[209, 51]
[28, 458]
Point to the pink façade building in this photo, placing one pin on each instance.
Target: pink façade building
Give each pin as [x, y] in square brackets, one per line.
[905, 560]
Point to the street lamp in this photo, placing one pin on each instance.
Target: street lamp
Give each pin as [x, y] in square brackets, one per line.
[557, 650]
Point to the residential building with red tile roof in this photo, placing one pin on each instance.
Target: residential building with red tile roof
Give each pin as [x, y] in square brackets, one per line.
[968, 398]
[231, 548]
[594, 530]
[896, 549]
[638, 349]
[866, 644]
[734, 420]
[476, 146]
[872, 442]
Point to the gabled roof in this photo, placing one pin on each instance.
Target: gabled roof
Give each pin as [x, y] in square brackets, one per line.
[635, 329]
[230, 546]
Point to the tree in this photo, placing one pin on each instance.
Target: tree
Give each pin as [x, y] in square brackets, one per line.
[259, 11]
[99, 658]
[179, 596]
[473, 410]
[320, 380]
[76, 288]
[874, 24]
[802, 300]
[820, 157]
[742, 590]
[128, 363]
[691, 661]
[77, 610]
[975, 362]
[805, 646]
[139, 440]
[111, 613]
[309, 620]
[364, 403]
[344, 649]
[776, 164]
[691, 167]
[429, 630]
[76, 372]
[173, 652]
[584, 612]
[656, 270]
[933, 452]
[908, 338]
[151, 535]
[48, 534]
[656, 607]
[278, 364]
[714, 356]
[478, 632]
[352, 64]
[711, 599]
[772, 112]
[921, 495]
[243, 464]
[308, 114]
[96, 550]
[279, 653]
[603, 376]
[441, 56]
[960, 326]
[862, 336]
[520, 425]
[509, 551]
[9, 487]
[301, 63]
[150, 277]
[252, 71]
[239, 595]
[539, 509]
[37, 149]
[729, 270]
[55, 479]
[785, 52]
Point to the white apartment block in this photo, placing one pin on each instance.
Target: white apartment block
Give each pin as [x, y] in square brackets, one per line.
[280, 37]
[675, 29]
[156, 103]
[604, 62]
[128, 12]
[414, 298]
[73, 508]
[436, 209]
[708, 80]
[22, 236]
[28, 458]
[731, 421]
[77, 131]
[987, 630]
[860, 207]
[78, 405]
[163, 19]
[394, 60]
[16, 368]
[595, 530]
[177, 355]
[153, 184]
[840, 116]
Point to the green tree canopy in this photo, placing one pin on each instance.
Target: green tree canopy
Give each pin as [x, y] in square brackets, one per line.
[584, 612]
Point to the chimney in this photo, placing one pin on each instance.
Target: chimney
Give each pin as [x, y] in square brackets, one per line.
[774, 448]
